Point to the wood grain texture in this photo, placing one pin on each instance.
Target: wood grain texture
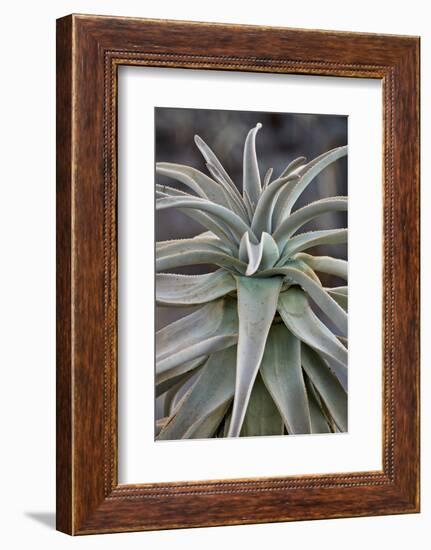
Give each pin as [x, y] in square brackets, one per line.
[90, 49]
[64, 496]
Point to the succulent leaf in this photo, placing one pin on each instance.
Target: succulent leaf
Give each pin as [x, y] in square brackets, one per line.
[216, 191]
[234, 198]
[296, 220]
[200, 183]
[235, 224]
[293, 166]
[340, 295]
[339, 370]
[257, 303]
[262, 416]
[279, 209]
[319, 424]
[327, 385]
[262, 255]
[204, 406]
[267, 178]
[262, 217]
[217, 170]
[318, 294]
[194, 252]
[212, 159]
[303, 241]
[248, 205]
[282, 374]
[183, 290]
[296, 264]
[170, 377]
[217, 227]
[212, 327]
[168, 191]
[299, 318]
[250, 253]
[325, 264]
[177, 390]
[160, 423]
[251, 176]
[206, 238]
[312, 169]
[270, 251]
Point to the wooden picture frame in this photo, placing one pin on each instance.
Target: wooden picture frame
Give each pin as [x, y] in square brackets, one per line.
[89, 51]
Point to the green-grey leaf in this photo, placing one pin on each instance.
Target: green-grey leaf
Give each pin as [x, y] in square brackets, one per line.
[211, 328]
[178, 374]
[180, 290]
[294, 165]
[217, 169]
[340, 290]
[327, 384]
[227, 419]
[282, 374]
[279, 208]
[296, 264]
[319, 295]
[195, 180]
[270, 251]
[319, 424]
[299, 318]
[203, 186]
[164, 191]
[203, 408]
[248, 205]
[211, 158]
[325, 264]
[251, 175]
[216, 226]
[160, 423]
[168, 191]
[262, 255]
[339, 293]
[195, 251]
[262, 218]
[206, 238]
[233, 196]
[257, 303]
[250, 253]
[301, 242]
[339, 370]
[267, 178]
[262, 416]
[311, 171]
[235, 224]
[296, 220]
[177, 390]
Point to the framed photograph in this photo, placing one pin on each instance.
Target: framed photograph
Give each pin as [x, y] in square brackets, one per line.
[237, 274]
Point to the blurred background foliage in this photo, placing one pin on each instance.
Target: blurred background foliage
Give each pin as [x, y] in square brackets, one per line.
[283, 137]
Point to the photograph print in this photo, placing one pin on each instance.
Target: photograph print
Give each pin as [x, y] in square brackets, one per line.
[250, 274]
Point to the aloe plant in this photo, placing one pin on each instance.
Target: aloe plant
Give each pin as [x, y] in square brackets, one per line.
[253, 357]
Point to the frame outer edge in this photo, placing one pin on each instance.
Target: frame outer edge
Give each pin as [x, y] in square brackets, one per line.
[407, 269]
[64, 368]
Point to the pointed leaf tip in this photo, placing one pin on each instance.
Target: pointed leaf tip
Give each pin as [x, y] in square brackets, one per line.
[262, 255]
[251, 176]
